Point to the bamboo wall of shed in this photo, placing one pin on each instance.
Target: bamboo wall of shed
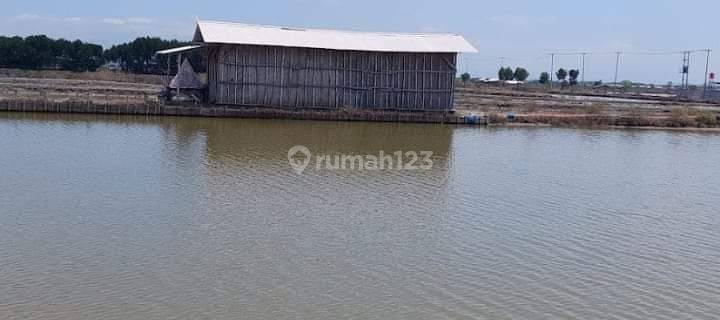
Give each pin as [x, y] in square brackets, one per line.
[330, 79]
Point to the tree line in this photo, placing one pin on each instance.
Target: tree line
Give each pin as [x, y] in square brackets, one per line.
[504, 74]
[565, 77]
[507, 74]
[42, 53]
[138, 56]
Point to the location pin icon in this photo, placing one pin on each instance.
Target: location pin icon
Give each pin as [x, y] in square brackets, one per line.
[299, 165]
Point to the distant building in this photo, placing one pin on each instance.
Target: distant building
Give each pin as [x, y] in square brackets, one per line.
[112, 66]
[488, 80]
[251, 65]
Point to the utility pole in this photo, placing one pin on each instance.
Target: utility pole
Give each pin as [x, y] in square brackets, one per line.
[707, 70]
[686, 70]
[582, 75]
[552, 68]
[617, 65]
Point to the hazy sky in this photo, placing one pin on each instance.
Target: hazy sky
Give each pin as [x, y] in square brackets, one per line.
[524, 31]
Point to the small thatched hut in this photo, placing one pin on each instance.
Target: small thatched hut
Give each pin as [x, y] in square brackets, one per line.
[186, 78]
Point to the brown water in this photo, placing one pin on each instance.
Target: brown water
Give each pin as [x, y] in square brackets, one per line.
[186, 218]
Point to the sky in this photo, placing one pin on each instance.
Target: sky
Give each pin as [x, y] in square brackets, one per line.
[525, 32]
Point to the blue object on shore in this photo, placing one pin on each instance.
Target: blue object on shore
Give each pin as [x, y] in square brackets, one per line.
[472, 119]
[511, 116]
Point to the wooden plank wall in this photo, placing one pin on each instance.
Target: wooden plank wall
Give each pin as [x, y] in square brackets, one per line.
[329, 79]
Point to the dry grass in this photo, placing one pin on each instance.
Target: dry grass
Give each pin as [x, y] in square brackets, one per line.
[532, 108]
[598, 108]
[497, 118]
[103, 75]
[682, 117]
[706, 119]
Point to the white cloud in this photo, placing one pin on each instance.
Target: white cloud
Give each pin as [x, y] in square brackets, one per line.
[35, 17]
[104, 30]
[128, 21]
[521, 21]
[114, 21]
[25, 17]
[140, 20]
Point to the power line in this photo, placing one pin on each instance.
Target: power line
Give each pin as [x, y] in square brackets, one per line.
[583, 55]
[583, 69]
[503, 58]
[552, 68]
[686, 70]
[617, 66]
[586, 53]
[707, 71]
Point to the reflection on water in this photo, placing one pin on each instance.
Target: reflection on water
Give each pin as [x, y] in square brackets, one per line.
[144, 217]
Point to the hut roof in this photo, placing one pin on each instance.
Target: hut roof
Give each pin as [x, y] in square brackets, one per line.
[186, 78]
[238, 33]
[178, 50]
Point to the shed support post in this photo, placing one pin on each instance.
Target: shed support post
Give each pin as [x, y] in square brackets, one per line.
[179, 62]
[168, 70]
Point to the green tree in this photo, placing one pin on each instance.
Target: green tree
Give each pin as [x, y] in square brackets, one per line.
[82, 57]
[465, 77]
[544, 78]
[521, 74]
[138, 56]
[11, 52]
[506, 74]
[561, 74]
[509, 74]
[574, 74]
[40, 52]
[501, 74]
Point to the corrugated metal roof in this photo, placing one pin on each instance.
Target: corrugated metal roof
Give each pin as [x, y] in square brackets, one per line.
[178, 50]
[238, 33]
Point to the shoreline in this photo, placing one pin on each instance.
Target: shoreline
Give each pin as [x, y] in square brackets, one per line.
[490, 106]
[215, 111]
[220, 111]
[604, 127]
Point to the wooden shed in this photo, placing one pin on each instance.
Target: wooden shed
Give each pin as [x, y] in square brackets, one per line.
[265, 66]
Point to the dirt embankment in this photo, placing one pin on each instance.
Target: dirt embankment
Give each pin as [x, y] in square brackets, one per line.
[579, 109]
[60, 86]
[528, 105]
[102, 75]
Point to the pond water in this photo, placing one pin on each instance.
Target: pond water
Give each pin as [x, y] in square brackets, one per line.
[187, 218]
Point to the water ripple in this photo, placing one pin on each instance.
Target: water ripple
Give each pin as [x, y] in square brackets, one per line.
[143, 217]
